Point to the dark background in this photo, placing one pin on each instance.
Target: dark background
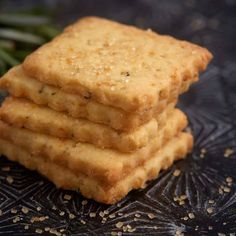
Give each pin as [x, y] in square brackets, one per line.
[211, 108]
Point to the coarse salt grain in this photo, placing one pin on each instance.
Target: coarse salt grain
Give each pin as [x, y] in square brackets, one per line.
[191, 215]
[228, 152]
[119, 224]
[151, 216]
[210, 210]
[39, 231]
[84, 202]
[10, 179]
[67, 197]
[177, 172]
[92, 215]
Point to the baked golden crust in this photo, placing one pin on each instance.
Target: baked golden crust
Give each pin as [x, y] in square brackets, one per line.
[89, 187]
[107, 165]
[115, 64]
[19, 84]
[23, 113]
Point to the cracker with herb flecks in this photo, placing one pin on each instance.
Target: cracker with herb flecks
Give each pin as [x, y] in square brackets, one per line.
[19, 84]
[23, 113]
[63, 177]
[117, 65]
[106, 165]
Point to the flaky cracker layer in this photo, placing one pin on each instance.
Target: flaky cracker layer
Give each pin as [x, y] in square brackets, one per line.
[107, 165]
[115, 64]
[18, 84]
[62, 177]
[23, 113]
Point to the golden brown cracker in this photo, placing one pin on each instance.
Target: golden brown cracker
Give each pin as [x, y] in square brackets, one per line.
[107, 165]
[23, 113]
[175, 149]
[116, 64]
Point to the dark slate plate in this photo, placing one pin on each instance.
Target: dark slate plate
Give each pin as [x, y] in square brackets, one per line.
[211, 108]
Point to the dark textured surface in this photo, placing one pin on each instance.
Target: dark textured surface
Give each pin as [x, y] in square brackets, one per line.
[211, 107]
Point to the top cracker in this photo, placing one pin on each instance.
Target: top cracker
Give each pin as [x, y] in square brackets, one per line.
[115, 64]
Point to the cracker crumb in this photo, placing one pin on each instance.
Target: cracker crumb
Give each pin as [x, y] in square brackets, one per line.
[106, 212]
[62, 213]
[38, 208]
[191, 215]
[119, 224]
[210, 210]
[112, 216]
[16, 219]
[13, 211]
[203, 150]
[39, 231]
[185, 218]
[211, 201]
[38, 219]
[179, 233]
[120, 214]
[137, 215]
[124, 228]
[25, 210]
[10, 179]
[202, 155]
[46, 229]
[84, 202]
[131, 230]
[26, 227]
[181, 203]
[220, 191]
[229, 179]
[6, 168]
[67, 197]
[228, 152]
[226, 189]
[210, 227]
[176, 172]
[71, 216]
[151, 216]
[83, 222]
[54, 231]
[183, 197]
[92, 215]
[101, 214]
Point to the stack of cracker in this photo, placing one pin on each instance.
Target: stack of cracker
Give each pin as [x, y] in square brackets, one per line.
[94, 109]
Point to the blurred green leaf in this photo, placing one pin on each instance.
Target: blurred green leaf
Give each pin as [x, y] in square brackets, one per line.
[12, 34]
[7, 44]
[3, 67]
[48, 31]
[21, 54]
[7, 58]
[23, 20]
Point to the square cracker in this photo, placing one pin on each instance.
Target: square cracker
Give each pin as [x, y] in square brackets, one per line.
[175, 149]
[116, 64]
[106, 165]
[23, 113]
[19, 84]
